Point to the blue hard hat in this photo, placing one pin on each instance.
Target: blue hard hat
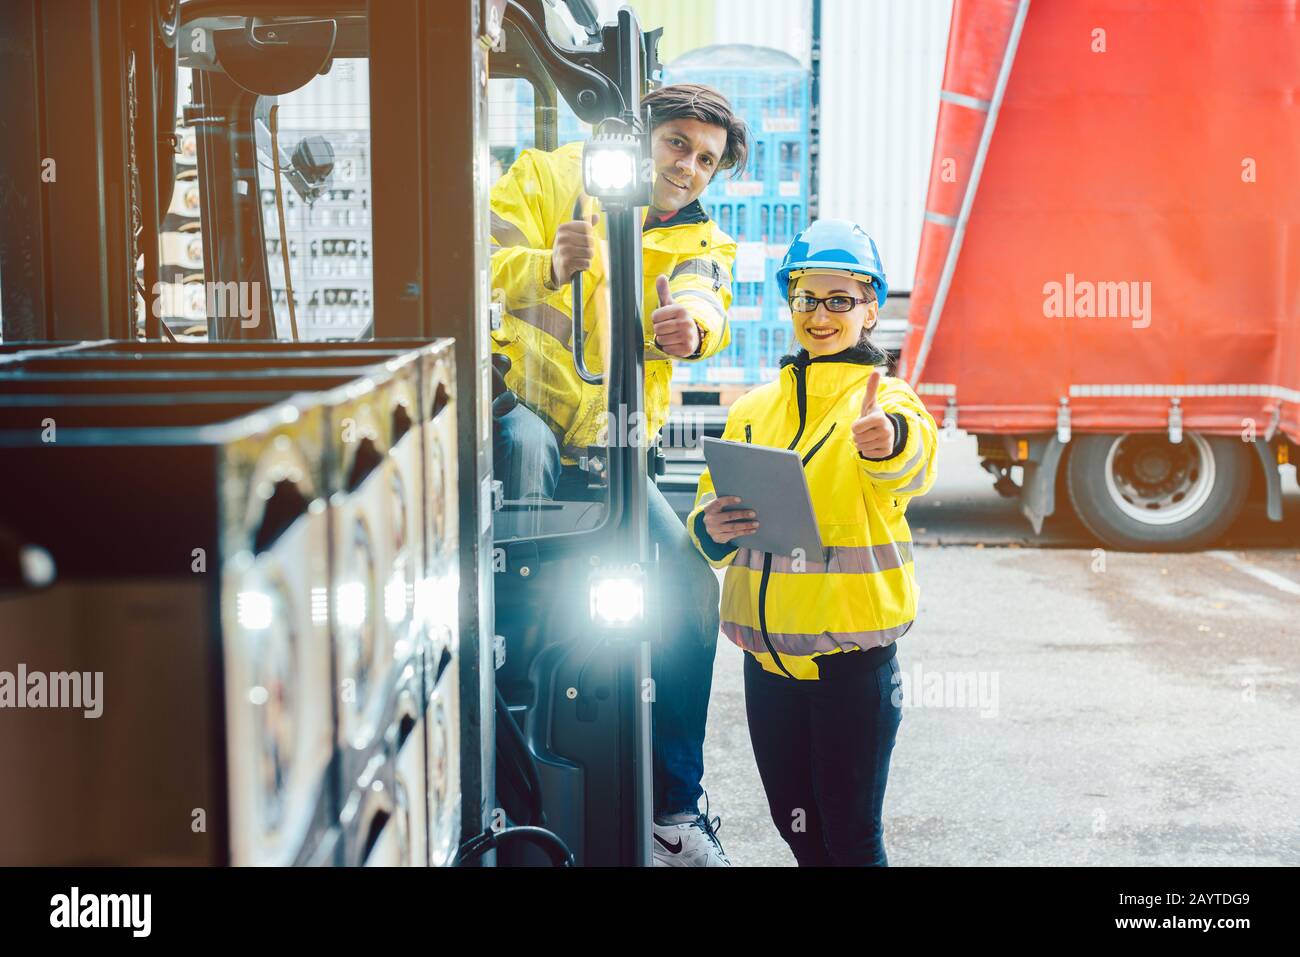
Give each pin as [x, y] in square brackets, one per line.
[834, 244]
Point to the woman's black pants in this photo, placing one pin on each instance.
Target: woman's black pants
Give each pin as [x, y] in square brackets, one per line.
[823, 750]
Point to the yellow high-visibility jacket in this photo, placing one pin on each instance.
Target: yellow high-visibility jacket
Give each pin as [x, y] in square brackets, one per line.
[862, 592]
[529, 203]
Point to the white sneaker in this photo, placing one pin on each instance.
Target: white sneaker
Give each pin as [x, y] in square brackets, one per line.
[689, 844]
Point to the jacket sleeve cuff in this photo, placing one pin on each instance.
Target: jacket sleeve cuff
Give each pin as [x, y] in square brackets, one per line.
[713, 551]
[900, 438]
[525, 281]
[704, 338]
[544, 272]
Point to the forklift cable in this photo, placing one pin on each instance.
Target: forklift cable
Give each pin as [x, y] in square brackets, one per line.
[547, 841]
[279, 209]
[596, 645]
[523, 762]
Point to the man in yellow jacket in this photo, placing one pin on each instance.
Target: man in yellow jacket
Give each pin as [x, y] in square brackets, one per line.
[561, 421]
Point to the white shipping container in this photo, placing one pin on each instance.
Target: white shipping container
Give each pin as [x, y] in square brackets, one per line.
[784, 25]
[882, 68]
[881, 71]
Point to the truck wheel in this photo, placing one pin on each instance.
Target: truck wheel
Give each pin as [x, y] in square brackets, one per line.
[1141, 492]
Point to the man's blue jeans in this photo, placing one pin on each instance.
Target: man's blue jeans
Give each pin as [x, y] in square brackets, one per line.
[527, 458]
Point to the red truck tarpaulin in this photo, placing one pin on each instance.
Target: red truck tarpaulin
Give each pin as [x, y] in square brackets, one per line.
[1134, 234]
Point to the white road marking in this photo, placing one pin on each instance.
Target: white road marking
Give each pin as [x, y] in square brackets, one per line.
[1263, 574]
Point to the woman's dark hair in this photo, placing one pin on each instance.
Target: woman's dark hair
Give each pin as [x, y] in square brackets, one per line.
[695, 101]
[864, 337]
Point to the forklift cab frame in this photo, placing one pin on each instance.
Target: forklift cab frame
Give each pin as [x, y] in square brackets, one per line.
[429, 68]
[553, 767]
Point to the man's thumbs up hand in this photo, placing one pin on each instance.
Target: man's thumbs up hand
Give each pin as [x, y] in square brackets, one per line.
[675, 330]
[664, 290]
[873, 431]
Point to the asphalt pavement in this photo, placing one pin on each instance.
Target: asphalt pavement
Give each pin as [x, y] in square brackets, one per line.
[1070, 704]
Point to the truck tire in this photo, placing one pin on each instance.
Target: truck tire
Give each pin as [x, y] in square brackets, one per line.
[1140, 492]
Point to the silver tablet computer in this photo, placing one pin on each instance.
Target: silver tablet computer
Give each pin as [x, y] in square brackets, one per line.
[772, 483]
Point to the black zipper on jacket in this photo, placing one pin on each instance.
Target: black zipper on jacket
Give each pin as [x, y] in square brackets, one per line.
[762, 612]
[801, 397]
[749, 433]
[801, 393]
[767, 563]
[820, 442]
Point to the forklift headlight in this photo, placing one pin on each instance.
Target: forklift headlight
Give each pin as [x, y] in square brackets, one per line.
[613, 169]
[609, 170]
[618, 597]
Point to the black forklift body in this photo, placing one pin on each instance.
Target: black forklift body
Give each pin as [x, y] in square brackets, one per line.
[574, 727]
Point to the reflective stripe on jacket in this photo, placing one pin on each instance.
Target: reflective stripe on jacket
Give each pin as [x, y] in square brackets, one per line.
[529, 203]
[861, 592]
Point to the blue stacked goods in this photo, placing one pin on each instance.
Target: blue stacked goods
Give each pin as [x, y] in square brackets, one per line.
[763, 209]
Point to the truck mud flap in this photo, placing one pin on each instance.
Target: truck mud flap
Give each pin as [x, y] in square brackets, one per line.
[1038, 491]
[1272, 479]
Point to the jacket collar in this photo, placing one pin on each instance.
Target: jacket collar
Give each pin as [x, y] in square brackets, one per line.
[689, 214]
[861, 354]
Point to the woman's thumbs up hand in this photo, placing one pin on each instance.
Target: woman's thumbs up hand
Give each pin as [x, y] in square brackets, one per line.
[675, 330]
[873, 431]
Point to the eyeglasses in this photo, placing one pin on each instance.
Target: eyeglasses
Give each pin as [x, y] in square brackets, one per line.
[804, 303]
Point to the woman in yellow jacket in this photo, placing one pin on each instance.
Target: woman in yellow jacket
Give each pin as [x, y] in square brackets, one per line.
[820, 631]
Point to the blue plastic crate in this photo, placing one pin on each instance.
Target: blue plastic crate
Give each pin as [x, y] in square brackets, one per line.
[764, 208]
[510, 122]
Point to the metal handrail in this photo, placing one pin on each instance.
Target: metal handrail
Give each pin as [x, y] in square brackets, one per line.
[579, 336]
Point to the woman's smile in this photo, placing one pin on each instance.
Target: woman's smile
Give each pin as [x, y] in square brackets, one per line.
[822, 333]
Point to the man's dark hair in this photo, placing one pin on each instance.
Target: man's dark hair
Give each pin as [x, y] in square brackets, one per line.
[695, 101]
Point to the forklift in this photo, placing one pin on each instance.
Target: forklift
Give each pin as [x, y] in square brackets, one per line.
[550, 599]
